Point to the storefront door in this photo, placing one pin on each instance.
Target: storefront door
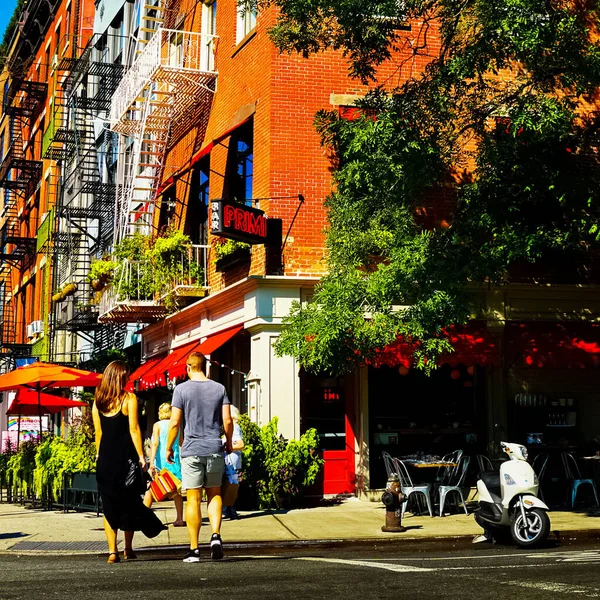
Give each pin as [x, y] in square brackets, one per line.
[326, 405]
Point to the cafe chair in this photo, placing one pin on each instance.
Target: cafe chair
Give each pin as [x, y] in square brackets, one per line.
[388, 461]
[574, 477]
[445, 474]
[484, 463]
[409, 488]
[539, 465]
[456, 486]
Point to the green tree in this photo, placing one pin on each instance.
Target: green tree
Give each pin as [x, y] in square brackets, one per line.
[500, 123]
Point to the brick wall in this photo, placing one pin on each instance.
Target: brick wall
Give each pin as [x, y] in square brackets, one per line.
[287, 91]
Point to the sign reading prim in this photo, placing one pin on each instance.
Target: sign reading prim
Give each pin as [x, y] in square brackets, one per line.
[238, 222]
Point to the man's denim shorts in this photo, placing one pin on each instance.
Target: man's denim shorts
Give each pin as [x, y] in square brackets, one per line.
[202, 471]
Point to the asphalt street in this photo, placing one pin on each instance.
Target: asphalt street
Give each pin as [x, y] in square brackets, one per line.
[368, 571]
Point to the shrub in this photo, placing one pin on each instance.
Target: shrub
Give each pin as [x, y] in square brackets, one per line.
[276, 471]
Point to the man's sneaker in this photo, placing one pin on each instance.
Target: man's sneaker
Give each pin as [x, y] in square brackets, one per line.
[216, 547]
[482, 539]
[193, 556]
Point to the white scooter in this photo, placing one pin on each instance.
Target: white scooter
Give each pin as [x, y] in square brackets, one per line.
[508, 501]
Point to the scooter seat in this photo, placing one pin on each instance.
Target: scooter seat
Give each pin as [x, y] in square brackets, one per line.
[491, 479]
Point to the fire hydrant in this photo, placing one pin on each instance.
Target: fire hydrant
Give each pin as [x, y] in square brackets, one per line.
[393, 498]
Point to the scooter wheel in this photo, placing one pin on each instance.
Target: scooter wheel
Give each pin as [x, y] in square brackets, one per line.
[531, 531]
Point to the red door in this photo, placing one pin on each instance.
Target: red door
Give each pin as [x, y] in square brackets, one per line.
[327, 405]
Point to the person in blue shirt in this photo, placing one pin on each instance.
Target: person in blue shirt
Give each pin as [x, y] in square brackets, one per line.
[158, 459]
[233, 466]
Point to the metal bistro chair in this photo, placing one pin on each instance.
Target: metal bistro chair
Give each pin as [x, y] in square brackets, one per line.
[457, 485]
[539, 465]
[445, 474]
[484, 463]
[574, 476]
[388, 461]
[409, 488]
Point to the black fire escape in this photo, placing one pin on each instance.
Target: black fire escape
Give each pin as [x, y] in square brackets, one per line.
[85, 208]
[20, 176]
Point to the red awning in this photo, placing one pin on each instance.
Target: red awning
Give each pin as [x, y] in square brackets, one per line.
[142, 371]
[555, 345]
[173, 364]
[208, 346]
[473, 345]
[157, 376]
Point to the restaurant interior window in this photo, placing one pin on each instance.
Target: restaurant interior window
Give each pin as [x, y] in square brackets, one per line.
[413, 414]
[240, 165]
[197, 210]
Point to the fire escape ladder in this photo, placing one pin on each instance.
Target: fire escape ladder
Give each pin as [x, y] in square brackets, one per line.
[9, 328]
[147, 161]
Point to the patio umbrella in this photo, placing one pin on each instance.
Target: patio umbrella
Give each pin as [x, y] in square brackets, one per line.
[41, 376]
[27, 403]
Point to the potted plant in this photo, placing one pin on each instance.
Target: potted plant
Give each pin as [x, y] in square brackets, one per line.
[57, 296]
[101, 273]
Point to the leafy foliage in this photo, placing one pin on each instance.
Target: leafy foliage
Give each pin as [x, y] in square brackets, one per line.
[274, 470]
[484, 162]
[40, 469]
[148, 267]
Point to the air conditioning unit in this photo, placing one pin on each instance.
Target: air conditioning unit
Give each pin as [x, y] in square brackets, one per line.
[35, 328]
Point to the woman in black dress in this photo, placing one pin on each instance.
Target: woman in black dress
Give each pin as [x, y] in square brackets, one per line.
[119, 447]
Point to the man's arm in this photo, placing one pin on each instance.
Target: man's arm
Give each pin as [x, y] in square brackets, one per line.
[228, 426]
[174, 424]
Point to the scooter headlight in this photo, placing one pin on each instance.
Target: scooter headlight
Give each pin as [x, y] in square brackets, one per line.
[508, 480]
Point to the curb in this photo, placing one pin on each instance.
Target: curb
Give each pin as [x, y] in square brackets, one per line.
[409, 544]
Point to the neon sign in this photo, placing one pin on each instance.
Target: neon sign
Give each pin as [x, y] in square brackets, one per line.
[238, 222]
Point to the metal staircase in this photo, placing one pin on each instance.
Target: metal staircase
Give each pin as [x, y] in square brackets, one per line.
[85, 209]
[171, 73]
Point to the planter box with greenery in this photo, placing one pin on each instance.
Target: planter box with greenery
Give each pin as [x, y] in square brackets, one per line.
[230, 253]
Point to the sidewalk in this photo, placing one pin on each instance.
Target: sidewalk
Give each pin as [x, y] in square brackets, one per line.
[23, 529]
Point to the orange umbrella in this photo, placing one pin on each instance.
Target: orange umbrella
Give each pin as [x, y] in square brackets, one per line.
[41, 376]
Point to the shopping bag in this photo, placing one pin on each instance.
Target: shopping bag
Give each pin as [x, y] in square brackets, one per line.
[164, 485]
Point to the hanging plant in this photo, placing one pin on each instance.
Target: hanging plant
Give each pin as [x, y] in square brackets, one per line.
[101, 273]
[69, 289]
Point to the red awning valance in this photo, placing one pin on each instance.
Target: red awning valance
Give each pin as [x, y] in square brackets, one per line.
[556, 345]
[173, 365]
[157, 376]
[142, 371]
[208, 346]
[473, 345]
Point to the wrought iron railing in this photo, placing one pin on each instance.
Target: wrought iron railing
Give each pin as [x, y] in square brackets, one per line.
[168, 50]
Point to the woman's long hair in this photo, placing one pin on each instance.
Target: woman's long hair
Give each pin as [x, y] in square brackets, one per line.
[110, 392]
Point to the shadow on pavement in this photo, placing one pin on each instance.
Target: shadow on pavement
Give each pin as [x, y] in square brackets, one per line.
[16, 534]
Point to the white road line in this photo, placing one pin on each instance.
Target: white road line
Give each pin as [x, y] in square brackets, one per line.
[563, 588]
[372, 565]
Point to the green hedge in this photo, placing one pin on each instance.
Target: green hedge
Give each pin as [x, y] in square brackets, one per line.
[276, 471]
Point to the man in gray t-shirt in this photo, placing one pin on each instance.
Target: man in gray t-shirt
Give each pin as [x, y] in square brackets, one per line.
[203, 408]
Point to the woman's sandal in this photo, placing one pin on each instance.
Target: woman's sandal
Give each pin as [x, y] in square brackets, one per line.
[113, 557]
[129, 554]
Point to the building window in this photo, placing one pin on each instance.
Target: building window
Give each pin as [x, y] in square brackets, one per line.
[209, 31]
[240, 165]
[197, 208]
[246, 20]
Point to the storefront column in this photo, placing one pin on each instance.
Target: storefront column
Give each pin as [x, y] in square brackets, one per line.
[496, 395]
[362, 431]
[277, 392]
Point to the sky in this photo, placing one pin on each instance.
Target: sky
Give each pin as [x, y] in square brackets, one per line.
[6, 10]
